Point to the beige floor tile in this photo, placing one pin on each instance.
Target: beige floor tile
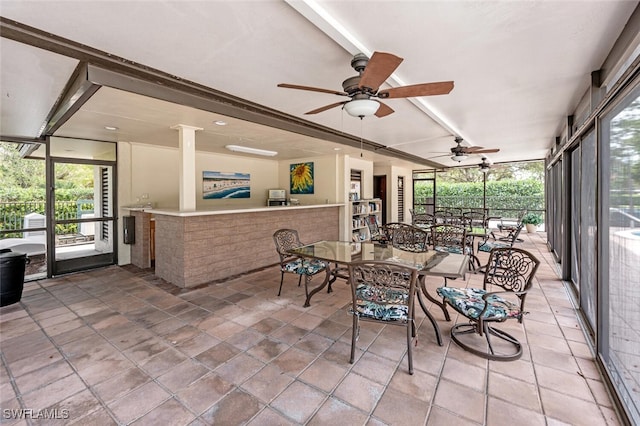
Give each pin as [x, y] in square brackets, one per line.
[441, 417]
[563, 382]
[182, 375]
[516, 391]
[419, 385]
[293, 361]
[202, 394]
[465, 374]
[270, 417]
[138, 402]
[402, 409]
[43, 376]
[360, 392]
[239, 369]
[505, 412]
[267, 383]
[268, 349]
[569, 409]
[121, 383]
[449, 395]
[52, 393]
[170, 412]
[298, 402]
[323, 374]
[334, 411]
[377, 368]
[217, 355]
[235, 408]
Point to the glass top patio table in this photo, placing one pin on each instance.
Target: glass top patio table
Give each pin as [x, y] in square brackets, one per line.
[428, 263]
[432, 263]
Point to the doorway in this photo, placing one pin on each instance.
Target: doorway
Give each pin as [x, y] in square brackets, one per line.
[82, 219]
[380, 191]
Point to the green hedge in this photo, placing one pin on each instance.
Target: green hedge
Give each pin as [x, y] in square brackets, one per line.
[504, 198]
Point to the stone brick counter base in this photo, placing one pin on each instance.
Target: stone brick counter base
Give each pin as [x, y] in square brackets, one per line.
[193, 250]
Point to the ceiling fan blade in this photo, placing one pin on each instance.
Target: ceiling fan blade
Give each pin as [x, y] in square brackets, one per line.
[326, 107]
[472, 148]
[312, 89]
[486, 151]
[384, 110]
[378, 69]
[424, 89]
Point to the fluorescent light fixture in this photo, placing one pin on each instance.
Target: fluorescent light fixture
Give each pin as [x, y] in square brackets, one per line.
[249, 150]
[361, 107]
[112, 128]
[220, 123]
[459, 158]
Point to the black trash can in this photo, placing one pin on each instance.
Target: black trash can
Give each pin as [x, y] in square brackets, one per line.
[12, 266]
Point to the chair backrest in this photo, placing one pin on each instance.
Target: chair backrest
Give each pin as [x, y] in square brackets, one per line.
[513, 234]
[286, 239]
[425, 219]
[449, 238]
[410, 238]
[474, 218]
[388, 288]
[511, 269]
[389, 228]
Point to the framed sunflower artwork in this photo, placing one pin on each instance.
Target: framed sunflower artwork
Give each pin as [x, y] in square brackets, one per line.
[301, 178]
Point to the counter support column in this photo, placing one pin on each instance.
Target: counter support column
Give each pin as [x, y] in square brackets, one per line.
[187, 144]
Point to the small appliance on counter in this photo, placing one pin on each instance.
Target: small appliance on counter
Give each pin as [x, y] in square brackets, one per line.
[277, 197]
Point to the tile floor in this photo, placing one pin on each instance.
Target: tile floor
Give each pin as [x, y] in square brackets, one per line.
[119, 346]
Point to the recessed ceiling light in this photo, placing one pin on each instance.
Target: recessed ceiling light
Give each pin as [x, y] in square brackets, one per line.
[112, 128]
[337, 149]
[220, 123]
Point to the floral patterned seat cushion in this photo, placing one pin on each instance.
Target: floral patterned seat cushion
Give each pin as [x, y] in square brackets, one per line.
[468, 301]
[382, 303]
[489, 245]
[304, 266]
[455, 250]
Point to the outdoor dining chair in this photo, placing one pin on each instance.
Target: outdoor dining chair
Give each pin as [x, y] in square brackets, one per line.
[507, 279]
[383, 292]
[410, 238]
[285, 240]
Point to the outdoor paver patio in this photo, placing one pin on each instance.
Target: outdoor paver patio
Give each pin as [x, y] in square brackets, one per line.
[119, 346]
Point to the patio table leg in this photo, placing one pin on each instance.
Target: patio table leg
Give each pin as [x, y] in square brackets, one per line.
[309, 294]
[423, 287]
[428, 314]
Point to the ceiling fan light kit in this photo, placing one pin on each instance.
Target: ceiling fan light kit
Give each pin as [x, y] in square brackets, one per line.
[361, 107]
[249, 150]
[458, 157]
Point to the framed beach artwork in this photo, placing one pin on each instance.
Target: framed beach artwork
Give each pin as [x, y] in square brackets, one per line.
[301, 178]
[216, 185]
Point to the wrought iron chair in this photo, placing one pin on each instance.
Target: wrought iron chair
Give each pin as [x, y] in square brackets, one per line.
[507, 279]
[508, 226]
[285, 240]
[389, 228]
[487, 246]
[410, 238]
[383, 292]
[422, 219]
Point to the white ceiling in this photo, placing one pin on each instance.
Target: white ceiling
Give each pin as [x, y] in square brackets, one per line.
[519, 67]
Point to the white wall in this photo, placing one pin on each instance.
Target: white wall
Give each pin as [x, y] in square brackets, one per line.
[392, 173]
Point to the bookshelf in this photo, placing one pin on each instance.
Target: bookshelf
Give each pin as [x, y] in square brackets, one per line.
[361, 211]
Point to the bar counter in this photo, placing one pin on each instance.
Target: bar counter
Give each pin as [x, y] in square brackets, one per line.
[196, 247]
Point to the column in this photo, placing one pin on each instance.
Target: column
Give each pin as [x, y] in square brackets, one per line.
[187, 170]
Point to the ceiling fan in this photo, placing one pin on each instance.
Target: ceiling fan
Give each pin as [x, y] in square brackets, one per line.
[461, 153]
[484, 166]
[364, 87]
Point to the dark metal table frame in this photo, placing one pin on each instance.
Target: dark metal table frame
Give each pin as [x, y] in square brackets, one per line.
[430, 263]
